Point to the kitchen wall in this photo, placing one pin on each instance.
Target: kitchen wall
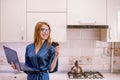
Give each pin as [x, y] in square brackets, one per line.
[93, 54]
[83, 45]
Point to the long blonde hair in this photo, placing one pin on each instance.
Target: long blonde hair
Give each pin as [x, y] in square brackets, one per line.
[37, 38]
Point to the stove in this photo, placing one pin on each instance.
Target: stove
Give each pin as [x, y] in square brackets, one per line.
[85, 75]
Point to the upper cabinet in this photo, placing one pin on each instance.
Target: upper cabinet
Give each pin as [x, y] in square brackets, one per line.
[13, 20]
[0, 20]
[113, 20]
[113, 6]
[86, 12]
[57, 22]
[51, 11]
[18, 19]
[118, 25]
[46, 5]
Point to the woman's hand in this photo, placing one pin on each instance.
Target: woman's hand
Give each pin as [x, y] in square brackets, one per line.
[54, 62]
[57, 50]
[57, 47]
[13, 65]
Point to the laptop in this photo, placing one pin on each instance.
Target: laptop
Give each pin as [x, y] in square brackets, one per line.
[12, 56]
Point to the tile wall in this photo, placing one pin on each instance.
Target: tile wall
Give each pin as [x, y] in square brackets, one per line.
[83, 45]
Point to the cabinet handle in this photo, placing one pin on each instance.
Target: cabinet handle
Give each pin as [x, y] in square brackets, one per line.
[22, 38]
[22, 33]
[110, 33]
[87, 22]
[15, 77]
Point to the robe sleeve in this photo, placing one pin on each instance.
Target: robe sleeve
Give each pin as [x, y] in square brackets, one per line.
[27, 60]
[51, 57]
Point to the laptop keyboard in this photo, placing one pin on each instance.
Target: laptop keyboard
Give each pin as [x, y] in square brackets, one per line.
[24, 67]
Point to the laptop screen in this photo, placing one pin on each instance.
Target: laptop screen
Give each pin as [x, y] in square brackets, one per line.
[11, 56]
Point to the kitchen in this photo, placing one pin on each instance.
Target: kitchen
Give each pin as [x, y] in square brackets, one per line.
[76, 25]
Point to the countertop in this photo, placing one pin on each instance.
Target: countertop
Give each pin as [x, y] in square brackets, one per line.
[10, 75]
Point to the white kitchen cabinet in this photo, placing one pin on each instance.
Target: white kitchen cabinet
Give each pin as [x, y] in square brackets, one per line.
[23, 76]
[13, 20]
[46, 5]
[57, 22]
[113, 20]
[0, 21]
[58, 76]
[118, 25]
[86, 12]
[13, 76]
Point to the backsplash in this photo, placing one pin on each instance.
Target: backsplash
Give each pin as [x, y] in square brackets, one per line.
[83, 45]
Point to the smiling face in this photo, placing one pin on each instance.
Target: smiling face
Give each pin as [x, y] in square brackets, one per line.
[44, 32]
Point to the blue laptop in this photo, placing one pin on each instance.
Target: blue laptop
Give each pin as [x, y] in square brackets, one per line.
[12, 56]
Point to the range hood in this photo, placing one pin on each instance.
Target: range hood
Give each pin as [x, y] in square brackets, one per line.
[87, 26]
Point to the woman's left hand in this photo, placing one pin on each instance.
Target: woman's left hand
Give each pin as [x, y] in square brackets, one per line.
[57, 50]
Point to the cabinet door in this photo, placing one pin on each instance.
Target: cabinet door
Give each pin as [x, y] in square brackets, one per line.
[113, 6]
[19, 76]
[0, 21]
[119, 25]
[57, 22]
[13, 76]
[86, 12]
[46, 5]
[113, 20]
[13, 20]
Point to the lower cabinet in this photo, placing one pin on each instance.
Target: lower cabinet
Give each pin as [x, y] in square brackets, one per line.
[58, 76]
[12, 76]
[23, 76]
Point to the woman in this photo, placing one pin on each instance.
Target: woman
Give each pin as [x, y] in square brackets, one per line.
[41, 55]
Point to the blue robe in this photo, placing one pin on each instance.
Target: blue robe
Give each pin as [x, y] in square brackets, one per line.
[40, 61]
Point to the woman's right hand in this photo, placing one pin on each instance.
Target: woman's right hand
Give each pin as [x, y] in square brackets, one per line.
[13, 65]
